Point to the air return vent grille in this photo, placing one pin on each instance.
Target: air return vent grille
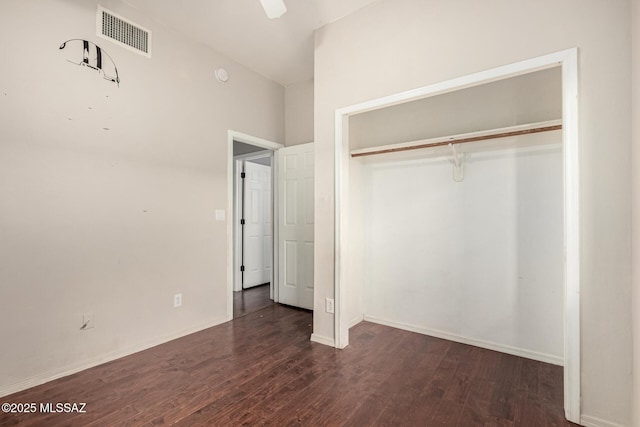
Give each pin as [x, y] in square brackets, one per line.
[123, 32]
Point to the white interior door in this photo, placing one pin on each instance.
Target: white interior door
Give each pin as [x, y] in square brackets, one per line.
[256, 235]
[296, 240]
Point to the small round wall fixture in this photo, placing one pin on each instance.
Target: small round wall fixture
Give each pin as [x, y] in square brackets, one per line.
[222, 75]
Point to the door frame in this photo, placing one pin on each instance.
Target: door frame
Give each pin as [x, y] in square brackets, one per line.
[237, 205]
[568, 61]
[267, 145]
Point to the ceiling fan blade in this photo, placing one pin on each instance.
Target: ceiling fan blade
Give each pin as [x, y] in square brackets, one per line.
[274, 8]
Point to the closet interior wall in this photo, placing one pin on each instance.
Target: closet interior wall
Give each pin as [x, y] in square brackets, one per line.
[478, 261]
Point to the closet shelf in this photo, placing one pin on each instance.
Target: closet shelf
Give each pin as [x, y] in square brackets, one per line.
[462, 138]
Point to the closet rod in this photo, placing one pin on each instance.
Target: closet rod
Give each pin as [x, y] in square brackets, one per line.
[460, 140]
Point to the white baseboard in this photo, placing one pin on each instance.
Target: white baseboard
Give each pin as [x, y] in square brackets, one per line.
[323, 340]
[589, 421]
[356, 320]
[73, 368]
[541, 357]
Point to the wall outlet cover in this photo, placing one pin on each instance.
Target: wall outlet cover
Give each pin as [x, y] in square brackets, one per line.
[329, 305]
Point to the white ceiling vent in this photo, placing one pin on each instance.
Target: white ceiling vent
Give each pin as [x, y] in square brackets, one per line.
[123, 32]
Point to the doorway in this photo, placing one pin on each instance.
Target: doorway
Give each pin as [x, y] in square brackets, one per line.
[252, 271]
[291, 231]
[345, 248]
[253, 228]
[253, 219]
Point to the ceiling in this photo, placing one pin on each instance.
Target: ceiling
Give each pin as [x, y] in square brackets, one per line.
[280, 49]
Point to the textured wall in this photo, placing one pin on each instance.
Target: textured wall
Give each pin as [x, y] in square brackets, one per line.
[107, 194]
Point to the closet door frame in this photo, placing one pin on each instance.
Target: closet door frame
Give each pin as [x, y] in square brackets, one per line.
[568, 61]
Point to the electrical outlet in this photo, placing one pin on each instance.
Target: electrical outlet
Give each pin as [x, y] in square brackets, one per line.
[87, 321]
[177, 300]
[329, 305]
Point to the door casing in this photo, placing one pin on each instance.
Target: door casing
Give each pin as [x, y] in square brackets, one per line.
[231, 246]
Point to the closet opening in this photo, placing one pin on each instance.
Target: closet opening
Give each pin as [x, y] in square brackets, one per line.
[457, 213]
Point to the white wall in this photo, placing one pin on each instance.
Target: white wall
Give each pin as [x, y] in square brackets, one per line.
[530, 98]
[635, 302]
[478, 261]
[393, 46]
[299, 113]
[114, 221]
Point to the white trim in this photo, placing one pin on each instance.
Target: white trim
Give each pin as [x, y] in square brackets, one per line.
[568, 60]
[589, 421]
[341, 327]
[253, 140]
[103, 358]
[516, 351]
[254, 155]
[269, 145]
[356, 320]
[571, 236]
[322, 340]
[274, 292]
[471, 80]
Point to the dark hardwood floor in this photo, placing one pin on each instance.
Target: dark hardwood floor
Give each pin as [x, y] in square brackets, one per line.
[250, 300]
[261, 369]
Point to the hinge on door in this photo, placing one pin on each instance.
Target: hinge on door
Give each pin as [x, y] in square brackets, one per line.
[242, 222]
[242, 268]
[243, 175]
